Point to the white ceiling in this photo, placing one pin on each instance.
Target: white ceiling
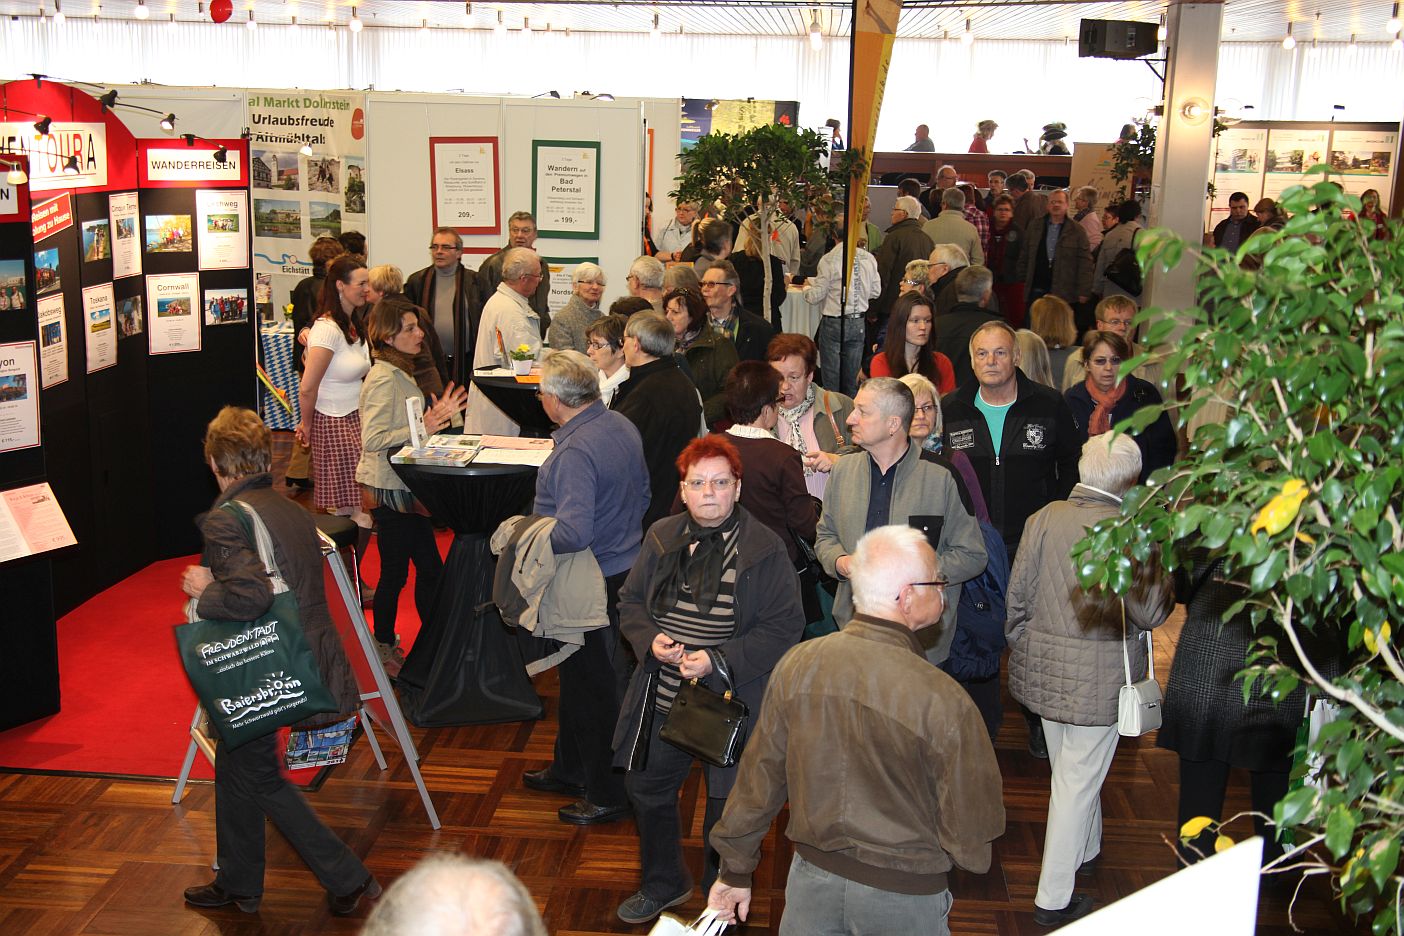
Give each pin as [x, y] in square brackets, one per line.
[1244, 20]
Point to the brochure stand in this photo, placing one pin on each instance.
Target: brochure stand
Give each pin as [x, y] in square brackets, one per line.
[378, 702]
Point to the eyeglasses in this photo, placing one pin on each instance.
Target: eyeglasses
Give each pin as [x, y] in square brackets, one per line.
[926, 410]
[719, 484]
[1117, 323]
[433, 247]
[907, 282]
[599, 345]
[939, 583]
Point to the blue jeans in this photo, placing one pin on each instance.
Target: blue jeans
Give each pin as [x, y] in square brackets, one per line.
[818, 903]
[828, 341]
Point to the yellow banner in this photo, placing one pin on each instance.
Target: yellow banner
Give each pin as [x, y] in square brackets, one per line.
[874, 29]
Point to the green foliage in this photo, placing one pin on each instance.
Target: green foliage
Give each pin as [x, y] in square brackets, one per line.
[1131, 159]
[1304, 358]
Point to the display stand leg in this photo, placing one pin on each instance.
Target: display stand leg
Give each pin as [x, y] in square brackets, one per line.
[189, 761]
[370, 738]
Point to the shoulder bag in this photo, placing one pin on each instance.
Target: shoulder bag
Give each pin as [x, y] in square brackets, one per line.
[1124, 271]
[1138, 708]
[253, 677]
[706, 724]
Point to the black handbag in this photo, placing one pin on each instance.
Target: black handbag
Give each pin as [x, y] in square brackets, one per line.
[1124, 271]
[706, 724]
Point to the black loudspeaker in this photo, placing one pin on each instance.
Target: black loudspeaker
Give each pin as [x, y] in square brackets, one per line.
[1116, 39]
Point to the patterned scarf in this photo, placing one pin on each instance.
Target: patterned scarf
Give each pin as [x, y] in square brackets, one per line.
[792, 418]
[699, 569]
[1100, 421]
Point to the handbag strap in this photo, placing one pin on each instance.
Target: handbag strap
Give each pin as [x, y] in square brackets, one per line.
[1126, 657]
[721, 667]
[262, 542]
[833, 423]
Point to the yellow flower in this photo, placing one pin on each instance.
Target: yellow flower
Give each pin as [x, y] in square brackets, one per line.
[524, 348]
[1278, 513]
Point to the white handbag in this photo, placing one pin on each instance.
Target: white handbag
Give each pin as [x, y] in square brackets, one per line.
[1138, 708]
[705, 925]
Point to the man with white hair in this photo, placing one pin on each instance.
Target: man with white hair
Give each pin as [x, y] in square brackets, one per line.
[945, 261]
[889, 482]
[950, 226]
[645, 281]
[508, 322]
[902, 243]
[521, 232]
[1066, 663]
[921, 790]
[454, 895]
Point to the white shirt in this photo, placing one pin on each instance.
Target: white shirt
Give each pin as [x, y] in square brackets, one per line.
[673, 237]
[508, 321]
[825, 285]
[339, 393]
[784, 243]
[609, 384]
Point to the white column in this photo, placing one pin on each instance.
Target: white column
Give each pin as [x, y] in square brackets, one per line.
[1184, 144]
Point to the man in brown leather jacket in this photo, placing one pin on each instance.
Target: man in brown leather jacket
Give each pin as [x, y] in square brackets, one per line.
[885, 761]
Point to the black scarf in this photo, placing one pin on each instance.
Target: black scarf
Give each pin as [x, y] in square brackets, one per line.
[700, 569]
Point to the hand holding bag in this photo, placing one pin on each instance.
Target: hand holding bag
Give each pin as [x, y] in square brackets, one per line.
[1138, 709]
[253, 677]
[706, 724]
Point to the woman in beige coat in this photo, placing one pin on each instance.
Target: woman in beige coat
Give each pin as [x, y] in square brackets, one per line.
[1066, 662]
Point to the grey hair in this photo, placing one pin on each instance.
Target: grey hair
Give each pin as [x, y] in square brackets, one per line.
[893, 399]
[951, 255]
[1090, 193]
[454, 895]
[648, 271]
[953, 198]
[973, 282]
[570, 377]
[654, 333]
[588, 272]
[918, 271]
[681, 276]
[1028, 174]
[886, 560]
[918, 385]
[519, 262]
[1110, 461]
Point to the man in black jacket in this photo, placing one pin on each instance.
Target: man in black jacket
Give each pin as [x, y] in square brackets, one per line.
[1231, 232]
[661, 403]
[750, 333]
[521, 232]
[449, 292]
[973, 287]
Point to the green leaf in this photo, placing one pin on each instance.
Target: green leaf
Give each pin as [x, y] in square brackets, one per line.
[1349, 756]
[1266, 573]
[1340, 830]
[1294, 807]
[1383, 855]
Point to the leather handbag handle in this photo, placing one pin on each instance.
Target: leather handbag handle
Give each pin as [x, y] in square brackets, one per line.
[721, 668]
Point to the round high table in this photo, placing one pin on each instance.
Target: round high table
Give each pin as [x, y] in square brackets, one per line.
[466, 668]
[518, 401]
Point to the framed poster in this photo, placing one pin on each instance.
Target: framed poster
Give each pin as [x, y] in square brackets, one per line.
[562, 272]
[99, 327]
[1363, 159]
[19, 396]
[565, 188]
[173, 323]
[126, 246]
[222, 219]
[465, 191]
[1290, 153]
[1238, 166]
[53, 341]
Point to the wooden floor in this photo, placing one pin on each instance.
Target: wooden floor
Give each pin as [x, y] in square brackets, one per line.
[111, 856]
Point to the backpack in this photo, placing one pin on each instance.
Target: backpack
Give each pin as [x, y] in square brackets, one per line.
[979, 642]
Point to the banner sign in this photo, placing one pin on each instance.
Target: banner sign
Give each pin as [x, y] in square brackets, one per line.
[164, 164]
[874, 31]
[466, 195]
[52, 216]
[48, 154]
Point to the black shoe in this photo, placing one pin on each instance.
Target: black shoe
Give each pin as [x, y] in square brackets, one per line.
[1038, 745]
[1078, 907]
[542, 781]
[302, 484]
[584, 812]
[1088, 867]
[345, 906]
[641, 908]
[212, 895]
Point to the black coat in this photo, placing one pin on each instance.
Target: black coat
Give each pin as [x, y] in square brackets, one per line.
[663, 405]
[953, 331]
[467, 313]
[751, 272]
[753, 335]
[903, 242]
[1157, 441]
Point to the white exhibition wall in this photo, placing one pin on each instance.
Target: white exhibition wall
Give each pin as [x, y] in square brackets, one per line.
[1022, 85]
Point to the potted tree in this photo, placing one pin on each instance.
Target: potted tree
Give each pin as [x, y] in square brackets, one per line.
[1298, 490]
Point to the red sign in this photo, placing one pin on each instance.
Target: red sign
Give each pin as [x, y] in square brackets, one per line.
[52, 216]
[170, 163]
[358, 124]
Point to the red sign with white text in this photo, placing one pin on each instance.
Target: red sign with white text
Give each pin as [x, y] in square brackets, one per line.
[172, 164]
[52, 216]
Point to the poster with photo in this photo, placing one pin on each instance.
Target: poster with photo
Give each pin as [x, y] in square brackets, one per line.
[169, 234]
[263, 297]
[226, 306]
[222, 218]
[97, 240]
[53, 342]
[173, 301]
[355, 187]
[130, 319]
[126, 250]
[19, 396]
[1238, 167]
[12, 286]
[1364, 159]
[565, 188]
[278, 217]
[99, 329]
[46, 272]
[1290, 153]
[324, 218]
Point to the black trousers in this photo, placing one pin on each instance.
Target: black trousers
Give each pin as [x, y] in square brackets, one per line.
[1202, 788]
[654, 793]
[404, 537]
[248, 787]
[589, 710]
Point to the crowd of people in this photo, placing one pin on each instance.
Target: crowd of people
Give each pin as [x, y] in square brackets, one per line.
[788, 518]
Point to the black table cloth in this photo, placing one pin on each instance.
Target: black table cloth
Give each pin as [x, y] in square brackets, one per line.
[518, 401]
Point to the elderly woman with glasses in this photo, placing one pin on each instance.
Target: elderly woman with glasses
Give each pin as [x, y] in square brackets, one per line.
[1066, 664]
[567, 329]
[604, 345]
[713, 591]
[813, 421]
[1101, 400]
[709, 354]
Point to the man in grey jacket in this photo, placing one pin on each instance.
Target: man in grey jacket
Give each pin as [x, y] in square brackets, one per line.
[889, 482]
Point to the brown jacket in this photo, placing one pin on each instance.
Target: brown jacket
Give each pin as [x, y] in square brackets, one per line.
[1072, 260]
[890, 775]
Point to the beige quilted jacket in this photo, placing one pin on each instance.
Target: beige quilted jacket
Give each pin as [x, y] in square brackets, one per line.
[1065, 662]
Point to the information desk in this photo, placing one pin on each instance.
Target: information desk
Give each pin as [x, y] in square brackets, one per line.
[466, 667]
[519, 402]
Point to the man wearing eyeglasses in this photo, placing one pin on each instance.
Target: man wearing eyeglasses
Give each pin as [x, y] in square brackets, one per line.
[508, 323]
[521, 232]
[921, 791]
[889, 482]
[449, 292]
[1113, 314]
[750, 333]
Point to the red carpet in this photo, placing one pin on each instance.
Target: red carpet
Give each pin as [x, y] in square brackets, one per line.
[126, 700]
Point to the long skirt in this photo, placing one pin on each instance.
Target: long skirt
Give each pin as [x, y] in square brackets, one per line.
[336, 449]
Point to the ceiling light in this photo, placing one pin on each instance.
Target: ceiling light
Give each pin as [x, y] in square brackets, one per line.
[655, 31]
[424, 25]
[41, 126]
[967, 38]
[1162, 32]
[1397, 45]
[141, 12]
[1392, 27]
[816, 34]
[172, 23]
[305, 149]
[354, 24]
[467, 9]
[252, 24]
[108, 99]
[168, 123]
[58, 14]
[1288, 42]
[189, 138]
[294, 24]
[70, 165]
[16, 176]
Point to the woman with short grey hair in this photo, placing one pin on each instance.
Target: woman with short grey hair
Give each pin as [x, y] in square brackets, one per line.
[568, 326]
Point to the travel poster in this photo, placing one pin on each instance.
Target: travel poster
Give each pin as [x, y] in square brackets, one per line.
[19, 396]
[53, 341]
[565, 188]
[46, 271]
[97, 240]
[169, 234]
[126, 248]
[1290, 153]
[226, 306]
[130, 319]
[31, 521]
[223, 219]
[173, 301]
[1363, 159]
[12, 285]
[99, 327]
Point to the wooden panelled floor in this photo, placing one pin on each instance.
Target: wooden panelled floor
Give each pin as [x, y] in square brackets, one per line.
[92, 855]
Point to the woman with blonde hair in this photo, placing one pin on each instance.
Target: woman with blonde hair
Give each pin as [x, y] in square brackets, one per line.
[750, 269]
[1033, 354]
[1051, 319]
[916, 277]
[984, 130]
